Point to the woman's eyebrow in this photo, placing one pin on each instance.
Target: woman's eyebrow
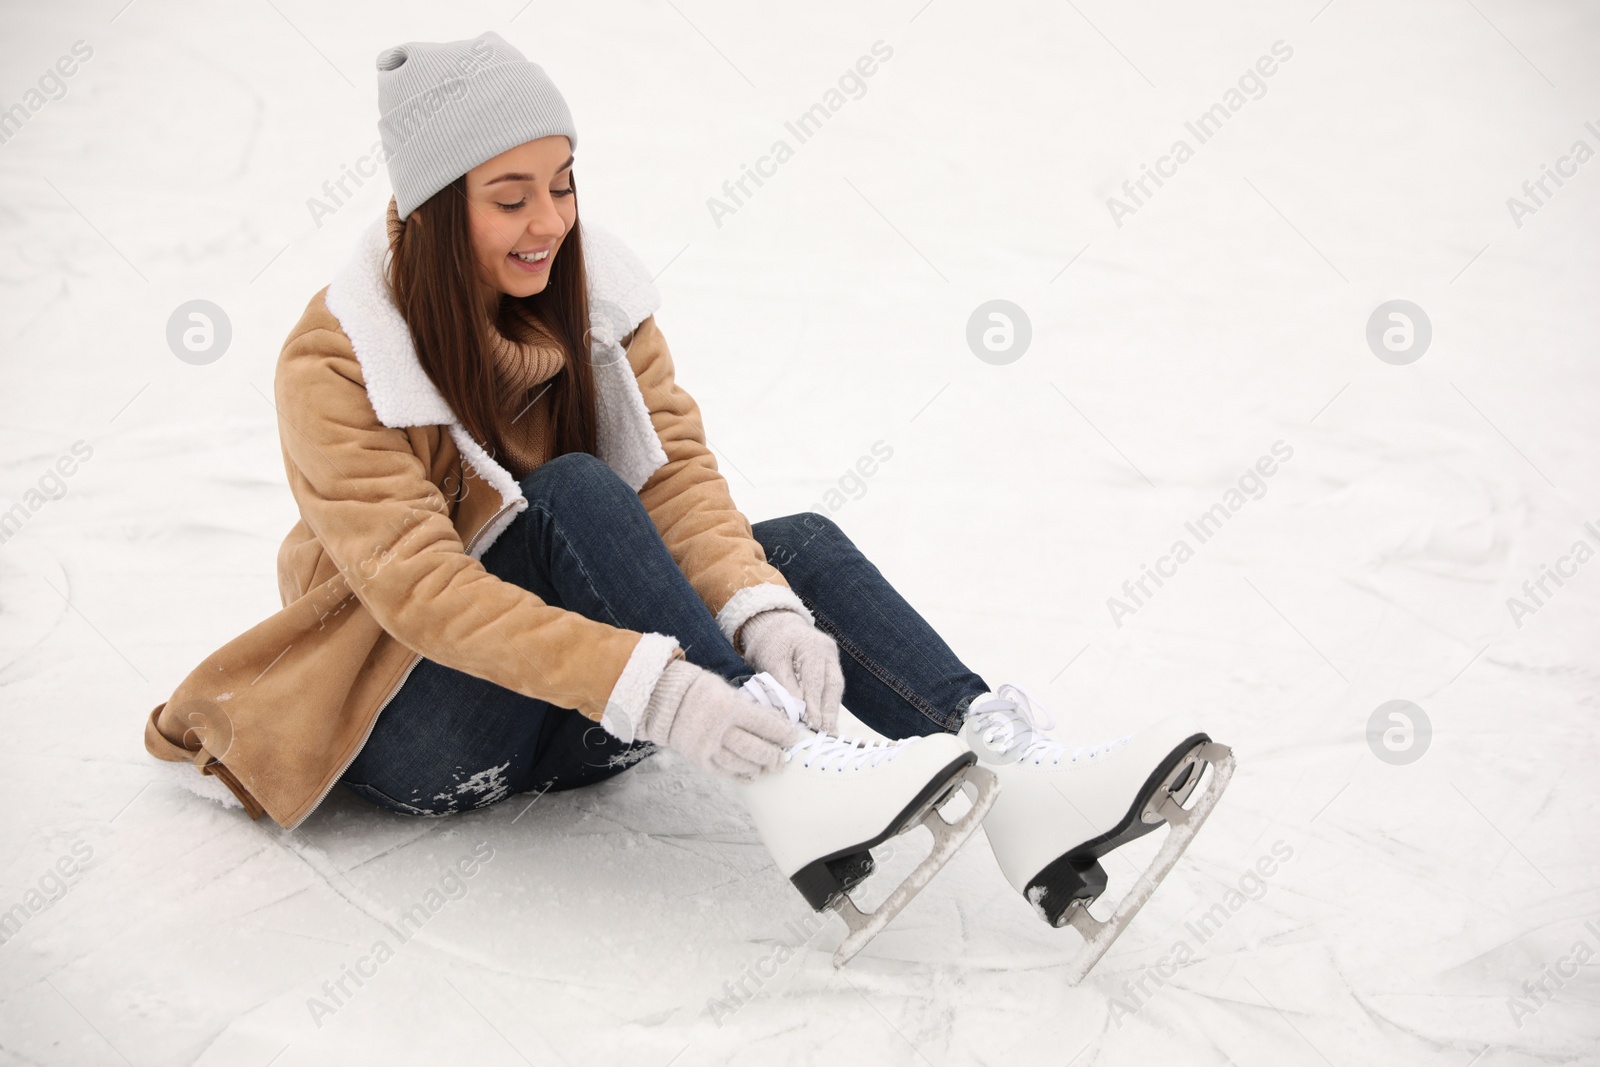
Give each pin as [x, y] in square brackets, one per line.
[519, 177]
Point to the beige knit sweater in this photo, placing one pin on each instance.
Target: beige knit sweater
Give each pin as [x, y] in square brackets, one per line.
[525, 371]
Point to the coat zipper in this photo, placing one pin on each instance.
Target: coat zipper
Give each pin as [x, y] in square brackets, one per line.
[386, 700]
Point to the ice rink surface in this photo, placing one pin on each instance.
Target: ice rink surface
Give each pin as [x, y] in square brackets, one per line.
[1424, 891]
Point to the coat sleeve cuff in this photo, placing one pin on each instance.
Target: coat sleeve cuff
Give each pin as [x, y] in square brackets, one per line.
[624, 714]
[757, 598]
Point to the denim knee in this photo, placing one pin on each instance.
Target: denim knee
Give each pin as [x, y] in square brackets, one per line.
[787, 536]
[798, 528]
[571, 479]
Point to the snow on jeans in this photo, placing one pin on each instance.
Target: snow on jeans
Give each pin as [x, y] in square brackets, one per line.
[449, 741]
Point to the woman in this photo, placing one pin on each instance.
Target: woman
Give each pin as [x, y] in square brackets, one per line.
[515, 544]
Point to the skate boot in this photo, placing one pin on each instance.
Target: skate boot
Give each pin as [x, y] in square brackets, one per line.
[1064, 806]
[832, 799]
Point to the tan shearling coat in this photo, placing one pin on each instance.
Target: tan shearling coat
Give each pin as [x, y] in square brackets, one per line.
[398, 505]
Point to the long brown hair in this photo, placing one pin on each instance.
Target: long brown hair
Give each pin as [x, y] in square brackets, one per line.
[433, 277]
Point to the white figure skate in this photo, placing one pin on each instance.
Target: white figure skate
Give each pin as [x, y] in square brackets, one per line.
[832, 799]
[1062, 807]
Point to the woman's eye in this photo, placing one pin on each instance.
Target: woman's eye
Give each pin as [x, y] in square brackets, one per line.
[524, 200]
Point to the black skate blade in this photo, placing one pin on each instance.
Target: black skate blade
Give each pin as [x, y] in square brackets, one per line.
[947, 837]
[825, 879]
[1099, 936]
[1076, 877]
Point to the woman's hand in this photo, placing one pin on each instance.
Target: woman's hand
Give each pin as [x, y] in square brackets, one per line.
[802, 657]
[718, 727]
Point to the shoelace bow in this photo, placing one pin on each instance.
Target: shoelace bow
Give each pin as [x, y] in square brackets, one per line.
[826, 751]
[998, 726]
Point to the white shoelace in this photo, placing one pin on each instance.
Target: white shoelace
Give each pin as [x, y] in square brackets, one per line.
[1002, 731]
[824, 751]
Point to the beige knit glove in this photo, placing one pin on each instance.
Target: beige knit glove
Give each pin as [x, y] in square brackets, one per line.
[801, 657]
[719, 728]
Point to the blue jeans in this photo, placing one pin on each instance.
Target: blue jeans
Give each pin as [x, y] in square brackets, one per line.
[449, 741]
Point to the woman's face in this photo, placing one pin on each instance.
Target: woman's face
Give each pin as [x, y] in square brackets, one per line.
[520, 205]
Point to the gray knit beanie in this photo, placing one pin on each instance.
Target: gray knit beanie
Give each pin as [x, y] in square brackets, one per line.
[445, 107]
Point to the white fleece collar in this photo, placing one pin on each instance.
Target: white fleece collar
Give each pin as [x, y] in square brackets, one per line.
[621, 295]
